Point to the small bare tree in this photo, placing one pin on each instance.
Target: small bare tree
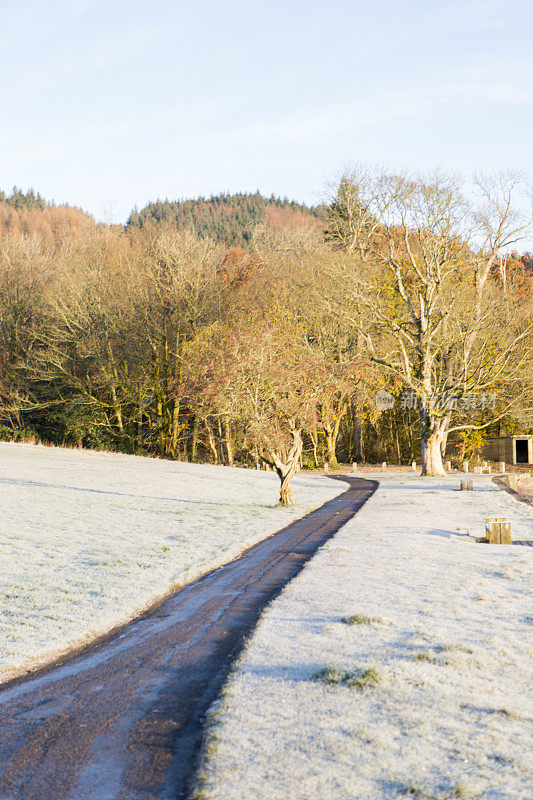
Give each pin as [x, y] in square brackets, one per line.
[264, 381]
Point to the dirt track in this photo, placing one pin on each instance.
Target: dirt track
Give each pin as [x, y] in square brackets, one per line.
[123, 720]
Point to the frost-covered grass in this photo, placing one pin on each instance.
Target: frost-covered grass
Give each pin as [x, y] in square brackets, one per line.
[88, 539]
[426, 694]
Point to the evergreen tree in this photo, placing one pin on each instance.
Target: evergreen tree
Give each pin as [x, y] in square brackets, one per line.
[226, 218]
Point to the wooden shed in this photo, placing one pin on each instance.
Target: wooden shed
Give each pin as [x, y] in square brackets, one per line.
[511, 449]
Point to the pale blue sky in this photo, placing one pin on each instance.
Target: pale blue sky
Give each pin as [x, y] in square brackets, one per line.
[107, 104]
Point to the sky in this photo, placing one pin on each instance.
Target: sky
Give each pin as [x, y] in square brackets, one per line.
[110, 104]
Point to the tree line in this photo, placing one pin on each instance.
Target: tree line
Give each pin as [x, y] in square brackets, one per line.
[228, 218]
[157, 338]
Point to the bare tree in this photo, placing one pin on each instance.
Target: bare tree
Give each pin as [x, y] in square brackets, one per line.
[26, 281]
[420, 285]
[177, 292]
[263, 381]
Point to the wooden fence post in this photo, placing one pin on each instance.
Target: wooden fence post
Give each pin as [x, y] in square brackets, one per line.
[498, 530]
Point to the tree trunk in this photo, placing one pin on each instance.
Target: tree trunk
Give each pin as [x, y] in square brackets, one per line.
[117, 409]
[211, 440]
[356, 454]
[228, 441]
[194, 437]
[314, 440]
[408, 427]
[398, 448]
[331, 429]
[140, 418]
[160, 425]
[432, 433]
[332, 434]
[432, 428]
[286, 467]
[444, 441]
[174, 427]
[391, 428]
[285, 495]
[286, 475]
[114, 381]
[331, 446]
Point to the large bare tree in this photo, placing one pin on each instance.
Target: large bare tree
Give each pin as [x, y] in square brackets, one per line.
[421, 280]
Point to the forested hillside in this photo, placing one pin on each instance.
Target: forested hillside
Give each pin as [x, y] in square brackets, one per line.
[28, 213]
[158, 338]
[229, 218]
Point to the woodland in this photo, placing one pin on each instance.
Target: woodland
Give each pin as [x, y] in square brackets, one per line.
[252, 331]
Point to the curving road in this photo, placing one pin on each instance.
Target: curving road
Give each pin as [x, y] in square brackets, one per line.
[123, 720]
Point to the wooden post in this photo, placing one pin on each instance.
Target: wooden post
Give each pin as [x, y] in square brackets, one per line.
[448, 466]
[384, 466]
[502, 466]
[354, 466]
[326, 467]
[413, 466]
[465, 466]
[498, 530]
[505, 533]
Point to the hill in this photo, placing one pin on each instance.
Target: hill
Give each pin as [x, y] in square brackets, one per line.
[27, 213]
[228, 218]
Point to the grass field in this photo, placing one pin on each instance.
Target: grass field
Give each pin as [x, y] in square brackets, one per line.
[87, 540]
[397, 664]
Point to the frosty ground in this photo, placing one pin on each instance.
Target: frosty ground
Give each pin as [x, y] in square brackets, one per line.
[397, 664]
[87, 540]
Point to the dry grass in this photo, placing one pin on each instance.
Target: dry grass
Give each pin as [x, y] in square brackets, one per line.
[361, 619]
[357, 679]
